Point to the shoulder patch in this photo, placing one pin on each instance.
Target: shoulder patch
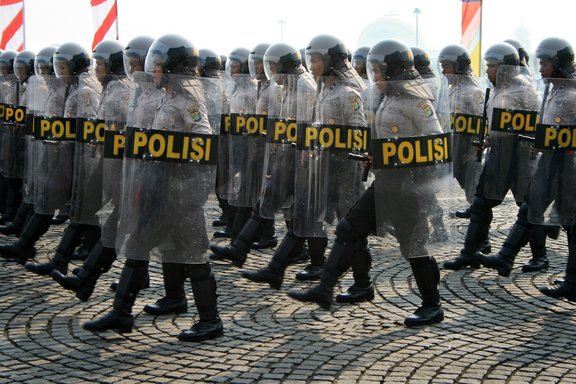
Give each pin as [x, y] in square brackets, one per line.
[194, 112]
[426, 107]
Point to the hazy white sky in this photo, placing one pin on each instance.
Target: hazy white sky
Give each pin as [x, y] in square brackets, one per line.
[224, 25]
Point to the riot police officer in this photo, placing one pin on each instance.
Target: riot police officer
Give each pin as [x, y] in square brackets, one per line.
[422, 62]
[114, 112]
[247, 147]
[14, 144]
[399, 193]
[334, 99]
[107, 88]
[241, 92]
[9, 95]
[53, 182]
[165, 218]
[509, 163]
[359, 61]
[455, 64]
[550, 196]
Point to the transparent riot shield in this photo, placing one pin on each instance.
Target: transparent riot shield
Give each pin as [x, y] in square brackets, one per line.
[466, 94]
[111, 124]
[55, 129]
[331, 124]
[278, 176]
[87, 175]
[553, 184]
[412, 166]
[513, 113]
[223, 188]
[13, 127]
[247, 138]
[168, 173]
[36, 95]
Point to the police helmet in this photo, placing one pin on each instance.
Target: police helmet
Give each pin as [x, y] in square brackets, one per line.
[560, 52]
[257, 55]
[210, 62]
[7, 62]
[135, 52]
[174, 53]
[359, 59]
[112, 53]
[502, 53]
[458, 56]
[74, 56]
[422, 62]
[522, 54]
[332, 50]
[24, 65]
[282, 59]
[43, 61]
[392, 57]
[238, 57]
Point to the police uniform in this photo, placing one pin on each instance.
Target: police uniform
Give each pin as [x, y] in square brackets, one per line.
[402, 197]
[83, 101]
[508, 167]
[52, 182]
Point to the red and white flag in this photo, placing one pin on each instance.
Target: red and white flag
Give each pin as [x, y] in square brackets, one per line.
[12, 25]
[105, 20]
[472, 31]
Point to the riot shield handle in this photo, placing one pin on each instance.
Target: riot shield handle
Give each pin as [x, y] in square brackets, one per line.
[358, 157]
[482, 135]
[527, 138]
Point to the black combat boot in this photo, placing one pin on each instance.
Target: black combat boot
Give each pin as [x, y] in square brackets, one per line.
[337, 264]
[210, 325]
[363, 289]
[539, 260]
[69, 241]
[84, 281]
[565, 289]
[427, 276]
[174, 275]
[503, 261]
[120, 317]
[316, 249]
[15, 227]
[266, 235]
[23, 249]
[90, 237]
[475, 235]
[237, 251]
[273, 274]
[13, 199]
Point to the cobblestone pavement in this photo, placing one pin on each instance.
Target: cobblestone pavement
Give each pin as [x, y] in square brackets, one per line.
[496, 329]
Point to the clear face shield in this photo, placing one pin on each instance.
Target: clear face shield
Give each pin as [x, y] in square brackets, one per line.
[100, 67]
[62, 68]
[271, 69]
[132, 63]
[43, 66]
[233, 67]
[256, 67]
[20, 71]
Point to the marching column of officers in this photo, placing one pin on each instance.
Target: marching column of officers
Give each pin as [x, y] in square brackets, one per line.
[129, 142]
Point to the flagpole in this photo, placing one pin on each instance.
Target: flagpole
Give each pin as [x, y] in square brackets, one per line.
[480, 41]
[117, 33]
[23, 24]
